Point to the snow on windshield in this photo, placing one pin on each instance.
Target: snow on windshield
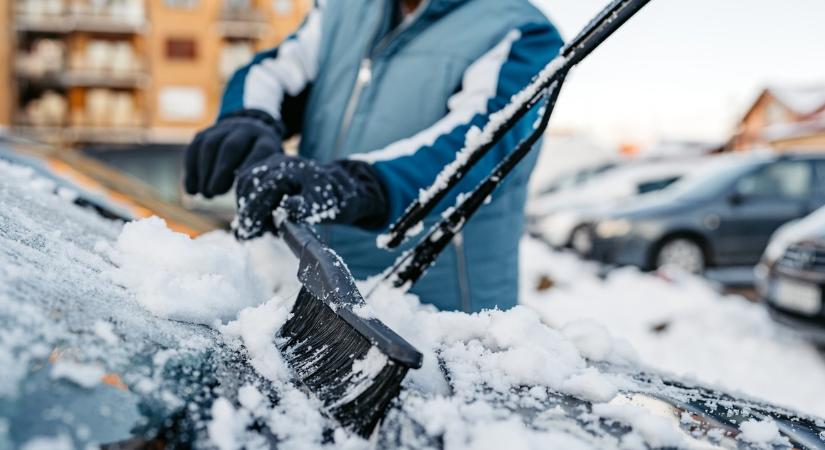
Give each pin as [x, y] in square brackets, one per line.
[103, 335]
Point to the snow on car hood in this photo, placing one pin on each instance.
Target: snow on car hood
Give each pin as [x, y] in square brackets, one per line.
[103, 341]
[809, 227]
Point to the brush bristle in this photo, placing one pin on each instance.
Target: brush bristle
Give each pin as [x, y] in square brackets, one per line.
[321, 348]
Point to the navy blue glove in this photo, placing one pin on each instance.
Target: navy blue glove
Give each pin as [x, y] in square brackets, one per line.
[346, 192]
[216, 153]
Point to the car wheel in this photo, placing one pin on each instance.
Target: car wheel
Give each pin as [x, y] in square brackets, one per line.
[682, 253]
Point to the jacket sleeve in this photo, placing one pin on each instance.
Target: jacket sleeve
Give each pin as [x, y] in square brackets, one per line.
[409, 165]
[277, 81]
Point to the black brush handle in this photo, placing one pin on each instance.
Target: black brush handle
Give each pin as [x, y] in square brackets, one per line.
[411, 266]
[597, 31]
[325, 275]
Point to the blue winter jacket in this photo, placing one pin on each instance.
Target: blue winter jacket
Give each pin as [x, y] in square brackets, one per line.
[357, 82]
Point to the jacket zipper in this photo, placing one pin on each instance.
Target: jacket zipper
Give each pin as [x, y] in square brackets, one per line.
[361, 81]
[461, 269]
[365, 77]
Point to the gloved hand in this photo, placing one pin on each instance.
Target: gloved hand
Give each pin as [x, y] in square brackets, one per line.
[216, 153]
[347, 192]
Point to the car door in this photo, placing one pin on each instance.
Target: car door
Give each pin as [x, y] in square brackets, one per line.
[758, 203]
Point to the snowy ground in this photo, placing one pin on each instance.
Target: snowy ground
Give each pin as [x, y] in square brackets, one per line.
[680, 324]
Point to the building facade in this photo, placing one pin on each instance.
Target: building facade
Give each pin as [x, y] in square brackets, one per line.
[125, 72]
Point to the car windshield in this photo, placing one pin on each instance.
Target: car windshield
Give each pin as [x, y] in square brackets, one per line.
[710, 181]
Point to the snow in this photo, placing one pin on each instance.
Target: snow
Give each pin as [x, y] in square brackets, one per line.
[654, 430]
[802, 100]
[59, 442]
[372, 364]
[762, 433]
[808, 227]
[106, 332]
[590, 385]
[227, 430]
[256, 327]
[175, 277]
[85, 375]
[677, 324]
[481, 371]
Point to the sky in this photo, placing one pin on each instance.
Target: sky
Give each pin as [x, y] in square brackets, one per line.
[686, 69]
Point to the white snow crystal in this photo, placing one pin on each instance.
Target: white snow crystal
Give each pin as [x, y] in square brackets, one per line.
[106, 332]
[682, 326]
[203, 280]
[592, 339]
[227, 428]
[372, 364]
[257, 328]
[590, 385]
[657, 431]
[762, 433]
[59, 442]
[84, 375]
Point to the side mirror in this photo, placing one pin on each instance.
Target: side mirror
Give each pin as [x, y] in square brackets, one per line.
[736, 198]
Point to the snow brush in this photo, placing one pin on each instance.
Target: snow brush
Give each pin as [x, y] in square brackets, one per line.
[411, 265]
[330, 330]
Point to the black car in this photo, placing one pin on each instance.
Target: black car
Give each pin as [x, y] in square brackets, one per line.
[723, 215]
[791, 276]
[793, 292]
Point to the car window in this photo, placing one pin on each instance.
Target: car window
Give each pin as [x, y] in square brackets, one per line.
[784, 179]
[655, 185]
[710, 181]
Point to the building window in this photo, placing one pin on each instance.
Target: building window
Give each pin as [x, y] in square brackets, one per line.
[185, 4]
[181, 49]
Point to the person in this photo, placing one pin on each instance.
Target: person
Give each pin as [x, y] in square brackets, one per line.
[383, 94]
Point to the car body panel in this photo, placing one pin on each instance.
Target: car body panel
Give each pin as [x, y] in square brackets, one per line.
[733, 228]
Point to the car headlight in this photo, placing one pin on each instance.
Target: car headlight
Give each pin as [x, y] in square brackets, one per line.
[612, 228]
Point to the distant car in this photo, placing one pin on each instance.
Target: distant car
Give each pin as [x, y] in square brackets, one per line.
[558, 217]
[791, 276]
[576, 178]
[723, 215]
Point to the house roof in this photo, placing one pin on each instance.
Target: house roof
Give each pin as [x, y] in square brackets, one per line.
[802, 100]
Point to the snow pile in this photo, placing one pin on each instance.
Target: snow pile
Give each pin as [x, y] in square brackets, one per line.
[256, 328]
[647, 428]
[498, 349]
[85, 375]
[490, 380]
[175, 277]
[679, 324]
[474, 364]
[762, 434]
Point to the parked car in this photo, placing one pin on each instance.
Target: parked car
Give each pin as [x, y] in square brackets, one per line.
[85, 366]
[576, 178]
[791, 276]
[723, 215]
[558, 217]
